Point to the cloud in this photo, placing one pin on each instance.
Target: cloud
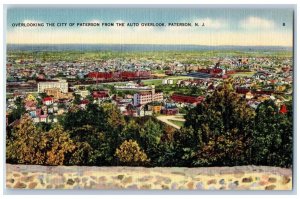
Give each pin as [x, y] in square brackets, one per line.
[148, 37]
[256, 23]
[158, 35]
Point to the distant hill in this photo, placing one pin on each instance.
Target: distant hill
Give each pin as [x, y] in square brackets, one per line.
[137, 47]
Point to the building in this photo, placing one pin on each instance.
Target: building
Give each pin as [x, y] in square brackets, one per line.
[57, 94]
[249, 95]
[156, 109]
[48, 101]
[167, 81]
[283, 109]
[84, 103]
[178, 98]
[83, 93]
[44, 118]
[280, 88]
[143, 98]
[30, 105]
[102, 94]
[242, 90]
[170, 109]
[132, 86]
[120, 75]
[61, 84]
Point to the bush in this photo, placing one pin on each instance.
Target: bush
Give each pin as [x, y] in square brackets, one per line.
[130, 154]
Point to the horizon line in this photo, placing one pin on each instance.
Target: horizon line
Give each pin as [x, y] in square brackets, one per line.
[144, 44]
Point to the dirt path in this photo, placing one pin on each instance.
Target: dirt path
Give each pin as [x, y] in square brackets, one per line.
[165, 118]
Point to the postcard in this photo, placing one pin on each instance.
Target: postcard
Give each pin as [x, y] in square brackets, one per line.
[149, 98]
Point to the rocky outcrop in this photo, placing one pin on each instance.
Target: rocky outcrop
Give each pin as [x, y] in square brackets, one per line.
[203, 178]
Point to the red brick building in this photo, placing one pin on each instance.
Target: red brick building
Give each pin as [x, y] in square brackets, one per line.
[179, 98]
[119, 75]
[100, 94]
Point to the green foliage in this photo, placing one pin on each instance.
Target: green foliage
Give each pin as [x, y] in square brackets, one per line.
[225, 150]
[21, 147]
[92, 146]
[101, 131]
[18, 111]
[186, 142]
[93, 115]
[151, 134]
[82, 155]
[130, 154]
[131, 131]
[29, 145]
[221, 112]
[221, 131]
[77, 99]
[224, 125]
[273, 136]
[42, 95]
[55, 144]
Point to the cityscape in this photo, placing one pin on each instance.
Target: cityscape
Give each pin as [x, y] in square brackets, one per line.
[161, 88]
[149, 98]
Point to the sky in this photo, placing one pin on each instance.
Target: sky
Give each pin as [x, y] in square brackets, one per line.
[222, 26]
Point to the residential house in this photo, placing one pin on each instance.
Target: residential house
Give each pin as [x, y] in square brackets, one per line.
[48, 101]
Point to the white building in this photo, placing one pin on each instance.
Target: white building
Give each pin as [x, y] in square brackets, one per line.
[143, 98]
[167, 81]
[132, 86]
[61, 84]
[83, 93]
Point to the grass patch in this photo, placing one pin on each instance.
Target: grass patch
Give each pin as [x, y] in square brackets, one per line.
[158, 71]
[177, 123]
[243, 74]
[155, 82]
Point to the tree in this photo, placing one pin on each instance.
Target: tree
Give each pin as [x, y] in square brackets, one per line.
[94, 146]
[168, 133]
[93, 115]
[273, 136]
[223, 151]
[223, 118]
[90, 98]
[42, 95]
[77, 99]
[151, 133]
[114, 117]
[55, 144]
[81, 155]
[100, 127]
[195, 90]
[187, 142]
[130, 154]
[30, 145]
[22, 147]
[131, 131]
[18, 111]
